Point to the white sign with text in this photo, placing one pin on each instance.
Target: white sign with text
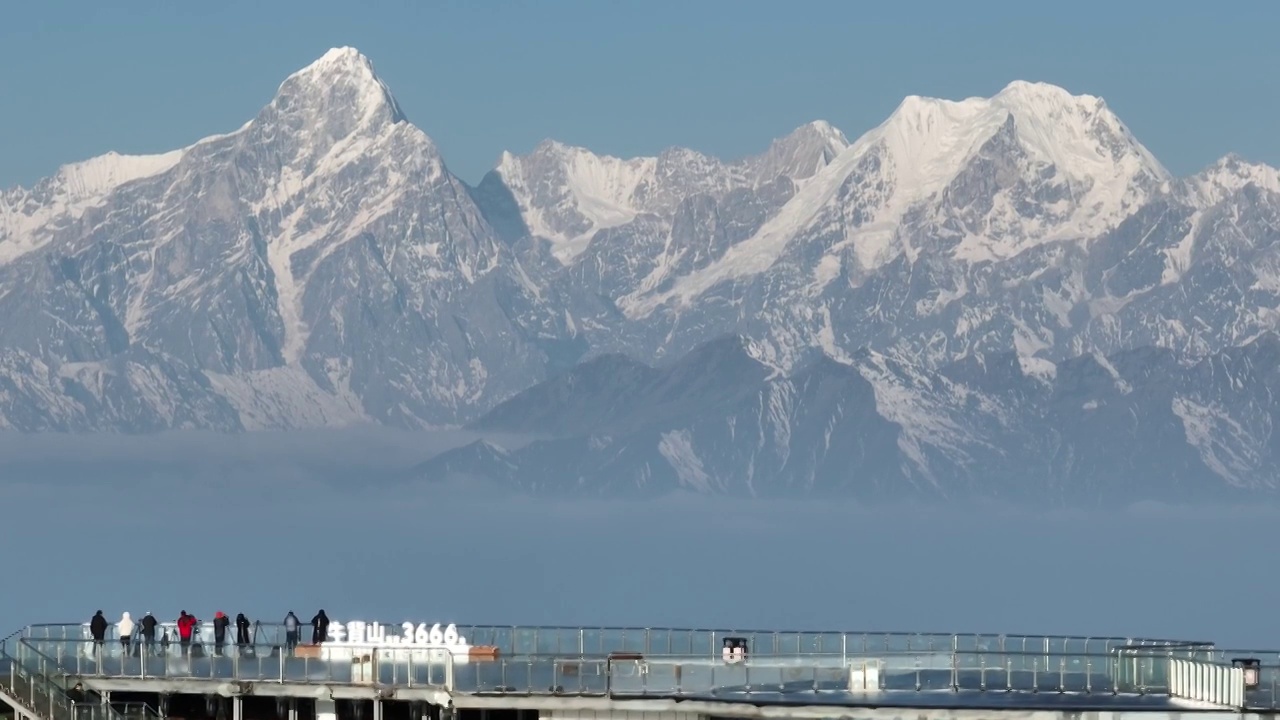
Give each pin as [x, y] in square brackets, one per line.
[406, 635]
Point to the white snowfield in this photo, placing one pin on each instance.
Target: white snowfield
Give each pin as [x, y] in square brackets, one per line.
[921, 149]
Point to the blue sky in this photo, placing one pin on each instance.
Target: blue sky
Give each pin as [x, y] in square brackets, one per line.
[1192, 81]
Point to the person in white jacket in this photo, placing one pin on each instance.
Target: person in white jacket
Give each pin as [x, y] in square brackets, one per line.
[125, 630]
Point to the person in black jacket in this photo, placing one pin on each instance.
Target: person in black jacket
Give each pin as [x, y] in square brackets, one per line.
[319, 628]
[220, 624]
[242, 632]
[98, 628]
[148, 624]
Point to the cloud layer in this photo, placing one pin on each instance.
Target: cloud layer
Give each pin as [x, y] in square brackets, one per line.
[266, 524]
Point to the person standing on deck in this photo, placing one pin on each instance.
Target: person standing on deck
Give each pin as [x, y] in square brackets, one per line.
[242, 632]
[220, 623]
[125, 629]
[291, 631]
[319, 628]
[148, 623]
[98, 629]
[186, 624]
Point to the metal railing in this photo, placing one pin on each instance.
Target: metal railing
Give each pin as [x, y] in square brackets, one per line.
[33, 682]
[584, 641]
[137, 711]
[365, 665]
[668, 662]
[1121, 671]
[704, 677]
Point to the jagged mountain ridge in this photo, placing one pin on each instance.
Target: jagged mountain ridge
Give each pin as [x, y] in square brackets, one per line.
[321, 266]
[1133, 426]
[953, 228]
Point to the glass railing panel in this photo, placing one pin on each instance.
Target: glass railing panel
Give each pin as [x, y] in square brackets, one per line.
[643, 678]
[34, 679]
[854, 644]
[548, 660]
[916, 642]
[704, 642]
[295, 669]
[423, 674]
[506, 676]
[246, 664]
[708, 642]
[676, 641]
[569, 675]
[271, 633]
[635, 640]
[545, 641]
[417, 667]
[817, 643]
[593, 642]
[759, 643]
[1267, 695]
[807, 643]
[501, 638]
[863, 643]
[907, 671]
[1057, 645]
[613, 640]
[524, 641]
[697, 678]
[784, 643]
[895, 642]
[593, 677]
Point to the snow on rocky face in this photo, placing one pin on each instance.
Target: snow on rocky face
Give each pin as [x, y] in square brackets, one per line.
[320, 265]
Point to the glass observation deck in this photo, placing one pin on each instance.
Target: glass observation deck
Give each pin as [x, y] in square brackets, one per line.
[778, 667]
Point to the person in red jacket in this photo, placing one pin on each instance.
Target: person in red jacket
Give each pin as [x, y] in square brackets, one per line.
[186, 626]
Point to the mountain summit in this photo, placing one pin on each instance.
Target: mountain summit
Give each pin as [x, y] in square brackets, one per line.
[300, 267]
[965, 281]
[342, 81]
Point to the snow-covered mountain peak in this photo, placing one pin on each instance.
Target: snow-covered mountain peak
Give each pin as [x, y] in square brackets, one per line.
[801, 154]
[342, 85]
[1078, 133]
[106, 172]
[1027, 93]
[566, 194]
[989, 177]
[25, 213]
[328, 117]
[932, 140]
[340, 59]
[1231, 174]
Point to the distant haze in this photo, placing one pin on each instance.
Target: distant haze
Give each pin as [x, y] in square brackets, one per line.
[264, 544]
